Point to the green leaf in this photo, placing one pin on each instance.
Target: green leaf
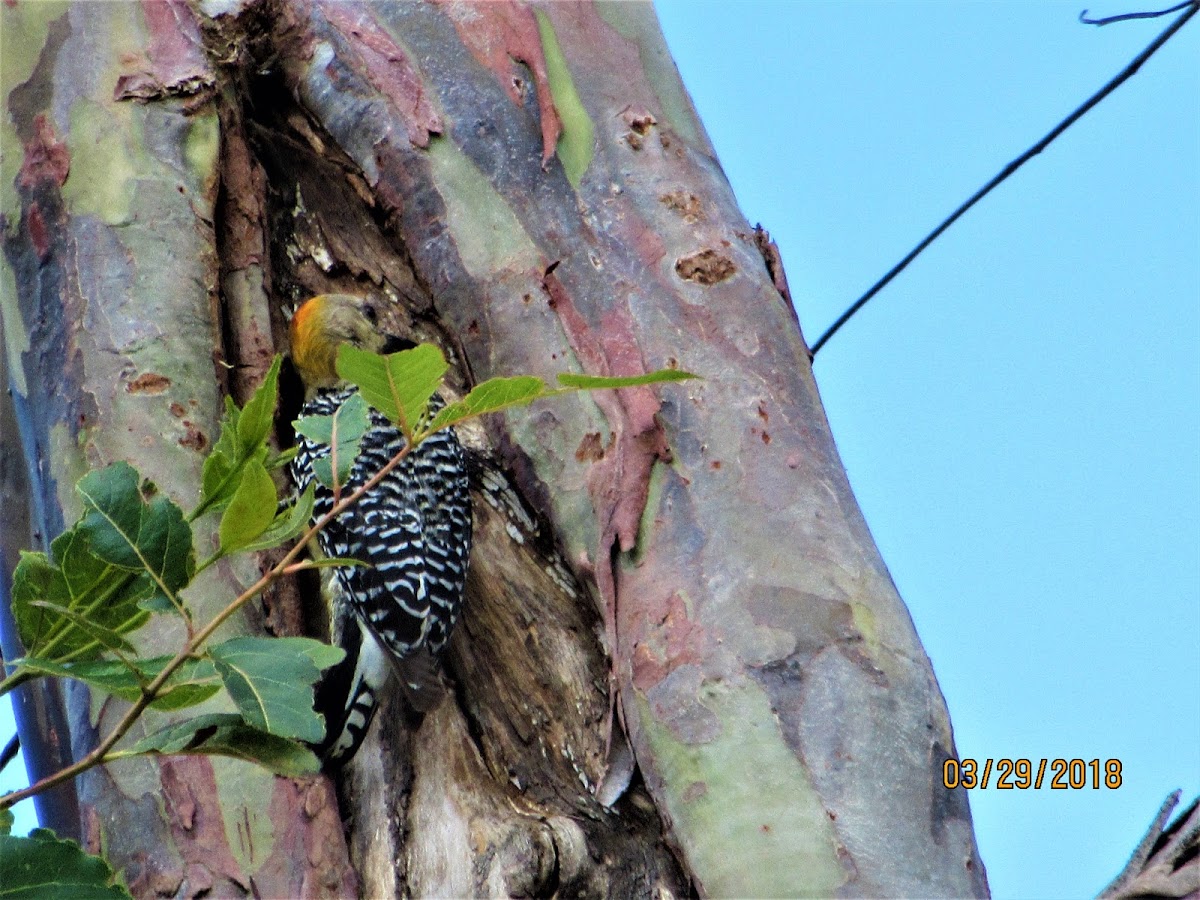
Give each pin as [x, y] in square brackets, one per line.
[232, 477]
[496, 394]
[127, 531]
[105, 593]
[111, 676]
[156, 601]
[271, 681]
[342, 432]
[252, 509]
[243, 437]
[279, 460]
[35, 578]
[194, 682]
[89, 579]
[599, 382]
[491, 396]
[6, 820]
[227, 734]
[216, 483]
[258, 415]
[399, 385]
[185, 737]
[106, 637]
[320, 654]
[288, 523]
[73, 578]
[43, 867]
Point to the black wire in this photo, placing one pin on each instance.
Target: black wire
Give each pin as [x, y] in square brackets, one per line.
[1125, 17]
[1033, 151]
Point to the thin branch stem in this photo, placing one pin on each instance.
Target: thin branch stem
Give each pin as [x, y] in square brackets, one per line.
[1008, 170]
[151, 692]
[216, 556]
[16, 679]
[305, 565]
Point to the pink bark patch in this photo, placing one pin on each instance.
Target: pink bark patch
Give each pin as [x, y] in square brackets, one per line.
[35, 224]
[46, 157]
[387, 67]
[648, 669]
[619, 483]
[176, 52]
[313, 836]
[683, 635]
[502, 33]
[672, 640]
[190, 795]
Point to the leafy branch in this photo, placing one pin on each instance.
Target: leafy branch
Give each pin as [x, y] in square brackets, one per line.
[131, 556]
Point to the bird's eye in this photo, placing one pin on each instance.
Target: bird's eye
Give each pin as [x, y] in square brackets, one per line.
[369, 312]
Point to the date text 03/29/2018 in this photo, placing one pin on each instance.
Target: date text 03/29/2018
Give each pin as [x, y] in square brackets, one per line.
[1023, 774]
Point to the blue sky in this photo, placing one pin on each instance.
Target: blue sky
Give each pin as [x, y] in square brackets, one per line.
[1019, 412]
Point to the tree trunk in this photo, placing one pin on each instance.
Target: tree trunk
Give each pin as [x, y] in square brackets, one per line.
[682, 665]
[115, 350]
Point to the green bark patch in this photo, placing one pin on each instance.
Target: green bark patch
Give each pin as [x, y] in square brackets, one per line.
[105, 165]
[576, 144]
[487, 234]
[744, 788]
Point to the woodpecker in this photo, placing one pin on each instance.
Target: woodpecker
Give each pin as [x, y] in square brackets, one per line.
[412, 531]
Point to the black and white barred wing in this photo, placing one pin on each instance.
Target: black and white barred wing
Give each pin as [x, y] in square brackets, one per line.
[412, 531]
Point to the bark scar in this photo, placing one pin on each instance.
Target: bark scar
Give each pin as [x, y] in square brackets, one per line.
[619, 483]
[178, 66]
[46, 157]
